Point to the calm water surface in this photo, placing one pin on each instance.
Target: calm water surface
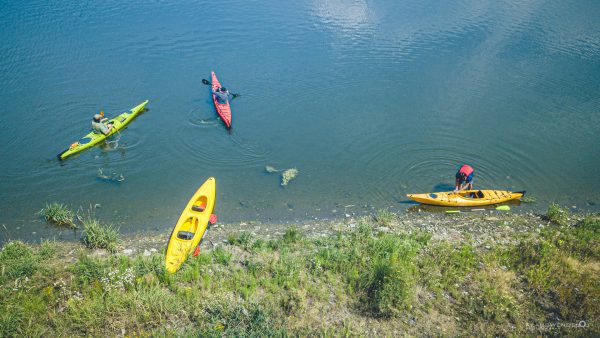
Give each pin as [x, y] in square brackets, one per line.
[369, 100]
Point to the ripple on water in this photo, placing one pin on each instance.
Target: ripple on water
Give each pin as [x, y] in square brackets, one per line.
[430, 162]
[205, 139]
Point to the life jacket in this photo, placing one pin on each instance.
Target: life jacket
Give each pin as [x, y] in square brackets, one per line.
[465, 170]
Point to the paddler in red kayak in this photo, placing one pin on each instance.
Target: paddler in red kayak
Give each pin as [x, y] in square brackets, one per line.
[222, 95]
[464, 176]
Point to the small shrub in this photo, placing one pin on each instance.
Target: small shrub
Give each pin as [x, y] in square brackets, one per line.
[47, 249]
[244, 240]
[576, 289]
[273, 244]
[17, 260]
[384, 217]
[292, 302]
[221, 256]
[99, 236]
[291, 235]
[444, 266]
[557, 215]
[254, 268]
[87, 269]
[258, 244]
[581, 240]
[495, 301]
[11, 323]
[364, 228]
[388, 284]
[387, 275]
[236, 319]
[59, 214]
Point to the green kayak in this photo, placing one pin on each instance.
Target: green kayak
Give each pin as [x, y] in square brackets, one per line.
[93, 138]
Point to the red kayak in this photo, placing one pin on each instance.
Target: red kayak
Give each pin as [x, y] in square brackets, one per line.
[224, 110]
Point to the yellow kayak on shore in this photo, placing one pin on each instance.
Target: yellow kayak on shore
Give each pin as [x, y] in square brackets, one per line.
[466, 198]
[191, 226]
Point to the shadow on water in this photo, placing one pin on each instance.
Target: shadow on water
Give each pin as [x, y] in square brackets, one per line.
[437, 187]
[443, 187]
[407, 201]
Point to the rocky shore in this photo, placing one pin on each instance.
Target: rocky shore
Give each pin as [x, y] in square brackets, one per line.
[478, 228]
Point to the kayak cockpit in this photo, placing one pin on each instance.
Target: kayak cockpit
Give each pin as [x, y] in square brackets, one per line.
[185, 235]
[473, 194]
[188, 229]
[200, 204]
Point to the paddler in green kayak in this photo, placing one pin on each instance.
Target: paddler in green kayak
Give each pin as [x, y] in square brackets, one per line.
[98, 124]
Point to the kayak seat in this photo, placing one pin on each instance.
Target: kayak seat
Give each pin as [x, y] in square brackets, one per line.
[478, 194]
[197, 208]
[185, 235]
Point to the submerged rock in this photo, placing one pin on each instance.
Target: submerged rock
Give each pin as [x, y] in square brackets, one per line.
[288, 175]
[114, 177]
[270, 169]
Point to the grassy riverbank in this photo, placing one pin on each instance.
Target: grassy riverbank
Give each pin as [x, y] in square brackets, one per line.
[467, 274]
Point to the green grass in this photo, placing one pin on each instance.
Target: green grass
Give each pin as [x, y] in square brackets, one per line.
[17, 260]
[357, 282]
[100, 236]
[557, 214]
[244, 240]
[221, 256]
[291, 235]
[384, 217]
[59, 214]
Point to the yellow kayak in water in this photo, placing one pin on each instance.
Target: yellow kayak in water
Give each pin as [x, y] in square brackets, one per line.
[466, 198]
[119, 122]
[191, 226]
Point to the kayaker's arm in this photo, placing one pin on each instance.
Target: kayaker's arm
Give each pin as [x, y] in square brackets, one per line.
[460, 187]
[457, 185]
[107, 129]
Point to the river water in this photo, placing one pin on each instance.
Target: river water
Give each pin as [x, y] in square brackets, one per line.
[369, 100]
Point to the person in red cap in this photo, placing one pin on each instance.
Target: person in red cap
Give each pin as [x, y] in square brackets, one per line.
[464, 178]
